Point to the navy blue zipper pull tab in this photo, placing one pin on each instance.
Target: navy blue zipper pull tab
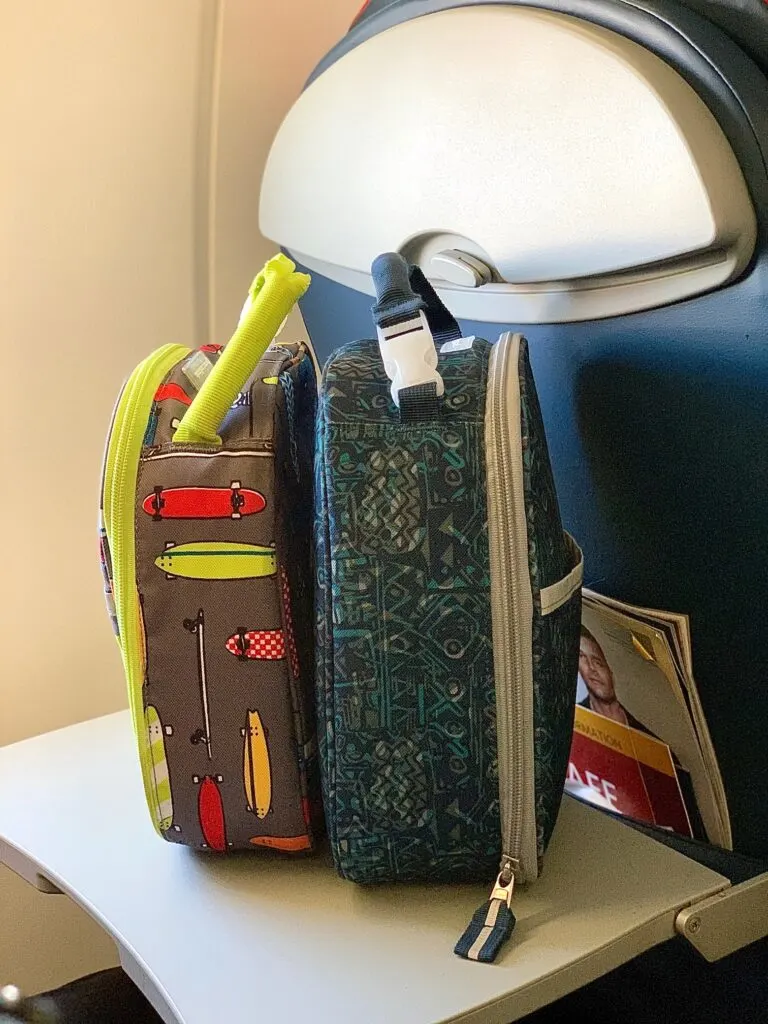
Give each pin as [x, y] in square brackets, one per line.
[492, 923]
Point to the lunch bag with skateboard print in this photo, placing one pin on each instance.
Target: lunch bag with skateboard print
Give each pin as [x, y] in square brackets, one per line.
[205, 539]
[449, 604]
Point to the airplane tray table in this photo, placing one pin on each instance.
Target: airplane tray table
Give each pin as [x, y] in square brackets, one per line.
[206, 937]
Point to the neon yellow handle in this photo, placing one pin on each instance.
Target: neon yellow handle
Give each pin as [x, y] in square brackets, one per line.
[273, 293]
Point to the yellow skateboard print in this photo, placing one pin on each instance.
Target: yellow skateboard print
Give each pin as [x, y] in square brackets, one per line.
[257, 774]
[162, 803]
[217, 560]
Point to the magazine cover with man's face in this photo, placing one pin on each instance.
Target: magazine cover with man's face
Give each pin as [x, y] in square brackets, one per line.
[635, 749]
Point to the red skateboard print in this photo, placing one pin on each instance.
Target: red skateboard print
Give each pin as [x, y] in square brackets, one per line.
[293, 654]
[210, 810]
[172, 391]
[231, 502]
[257, 644]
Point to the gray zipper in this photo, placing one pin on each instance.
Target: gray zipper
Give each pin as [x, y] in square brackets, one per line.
[512, 614]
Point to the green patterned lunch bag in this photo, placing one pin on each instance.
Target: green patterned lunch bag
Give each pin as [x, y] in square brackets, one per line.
[206, 551]
[449, 601]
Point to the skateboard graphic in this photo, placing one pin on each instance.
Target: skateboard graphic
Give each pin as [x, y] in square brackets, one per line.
[160, 784]
[106, 572]
[289, 844]
[257, 773]
[257, 644]
[149, 433]
[196, 626]
[210, 811]
[166, 391]
[244, 400]
[231, 502]
[293, 654]
[217, 560]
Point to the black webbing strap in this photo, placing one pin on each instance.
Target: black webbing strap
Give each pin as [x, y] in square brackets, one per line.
[419, 403]
[441, 321]
[403, 292]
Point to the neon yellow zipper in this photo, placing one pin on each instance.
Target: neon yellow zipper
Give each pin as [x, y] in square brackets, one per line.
[119, 500]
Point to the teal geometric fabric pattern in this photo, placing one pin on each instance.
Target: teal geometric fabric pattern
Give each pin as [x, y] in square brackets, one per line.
[408, 702]
[406, 695]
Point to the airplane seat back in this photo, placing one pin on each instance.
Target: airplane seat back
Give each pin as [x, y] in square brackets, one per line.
[593, 174]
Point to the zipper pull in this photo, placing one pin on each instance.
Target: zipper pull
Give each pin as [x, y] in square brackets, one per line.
[492, 923]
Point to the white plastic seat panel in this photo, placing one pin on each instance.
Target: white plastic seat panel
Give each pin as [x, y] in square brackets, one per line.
[583, 170]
